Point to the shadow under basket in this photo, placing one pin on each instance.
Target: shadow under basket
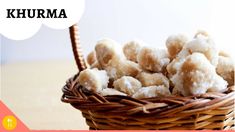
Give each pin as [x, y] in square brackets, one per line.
[210, 111]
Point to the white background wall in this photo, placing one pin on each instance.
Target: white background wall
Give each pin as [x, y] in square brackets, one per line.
[123, 20]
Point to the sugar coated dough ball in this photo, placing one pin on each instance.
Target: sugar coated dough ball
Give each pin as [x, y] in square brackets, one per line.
[93, 79]
[119, 68]
[223, 53]
[106, 50]
[111, 91]
[127, 84]
[174, 44]
[112, 59]
[200, 44]
[96, 65]
[201, 33]
[152, 91]
[91, 58]
[204, 45]
[130, 68]
[131, 49]
[197, 76]
[151, 79]
[174, 66]
[153, 59]
[225, 68]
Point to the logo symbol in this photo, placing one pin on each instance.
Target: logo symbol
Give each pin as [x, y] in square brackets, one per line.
[9, 122]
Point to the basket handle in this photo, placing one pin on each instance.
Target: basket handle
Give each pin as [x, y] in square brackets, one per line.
[76, 47]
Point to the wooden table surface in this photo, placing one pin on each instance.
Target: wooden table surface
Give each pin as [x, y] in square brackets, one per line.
[32, 90]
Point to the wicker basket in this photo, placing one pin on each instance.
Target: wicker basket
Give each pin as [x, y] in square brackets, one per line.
[214, 111]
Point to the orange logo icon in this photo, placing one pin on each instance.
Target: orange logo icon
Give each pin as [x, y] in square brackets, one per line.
[9, 122]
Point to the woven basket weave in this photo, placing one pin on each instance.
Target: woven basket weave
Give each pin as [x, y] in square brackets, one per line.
[213, 111]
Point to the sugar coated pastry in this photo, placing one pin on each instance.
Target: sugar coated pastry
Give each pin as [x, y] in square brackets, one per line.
[131, 49]
[201, 44]
[93, 79]
[152, 91]
[127, 84]
[118, 68]
[153, 59]
[91, 58]
[112, 59]
[174, 66]
[201, 33]
[97, 65]
[106, 50]
[197, 76]
[111, 91]
[186, 68]
[204, 45]
[223, 53]
[175, 43]
[225, 68]
[151, 79]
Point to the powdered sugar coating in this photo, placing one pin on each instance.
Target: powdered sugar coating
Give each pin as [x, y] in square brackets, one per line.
[153, 79]
[93, 79]
[152, 91]
[91, 58]
[204, 45]
[200, 44]
[127, 84]
[175, 43]
[119, 68]
[225, 68]
[111, 91]
[197, 76]
[131, 49]
[112, 59]
[153, 59]
[107, 50]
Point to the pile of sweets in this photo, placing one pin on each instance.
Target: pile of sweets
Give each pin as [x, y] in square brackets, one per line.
[184, 68]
